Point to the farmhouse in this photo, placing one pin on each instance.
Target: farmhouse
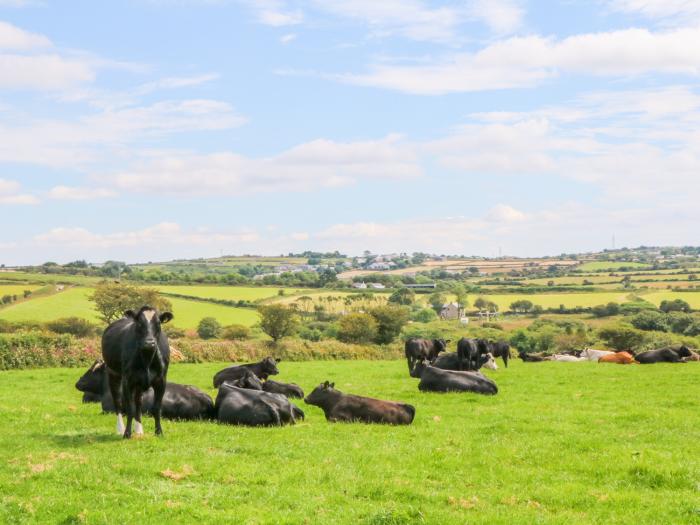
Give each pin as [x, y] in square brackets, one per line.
[450, 311]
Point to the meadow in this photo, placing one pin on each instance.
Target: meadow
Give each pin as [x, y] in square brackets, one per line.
[593, 266]
[230, 293]
[559, 444]
[17, 289]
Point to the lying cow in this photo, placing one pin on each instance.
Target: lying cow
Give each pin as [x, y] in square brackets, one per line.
[533, 358]
[263, 369]
[179, 401]
[566, 358]
[286, 389]
[594, 355]
[338, 406]
[621, 358]
[450, 361]
[694, 356]
[434, 379]
[417, 349]
[243, 406]
[664, 355]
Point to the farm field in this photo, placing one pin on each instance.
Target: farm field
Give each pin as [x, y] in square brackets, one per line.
[17, 289]
[692, 298]
[231, 293]
[49, 278]
[569, 300]
[74, 302]
[555, 446]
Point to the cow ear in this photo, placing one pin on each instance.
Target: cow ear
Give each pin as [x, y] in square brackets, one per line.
[279, 359]
[332, 385]
[130, 313]
[326, 384]
[448, 341]
[166, 317]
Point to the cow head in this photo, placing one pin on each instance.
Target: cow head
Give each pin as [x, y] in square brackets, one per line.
[249, 381]
[440, 345]
[93, 380]
[148, 322]
[684, 351]
[417, 371]
[487, 361]
[320, 394]
[270, 366]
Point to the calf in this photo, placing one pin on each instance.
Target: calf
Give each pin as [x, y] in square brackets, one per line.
[417, 349]
[137, 356]
[93, 383]
[243, 406]
[501, 349]
[338, 406]
[183, 402]
[437, 380]
[263, 369]
[594, 355]
[621, 358]
[664, 355]
[450, 361]
[286, 389]
[533, 358]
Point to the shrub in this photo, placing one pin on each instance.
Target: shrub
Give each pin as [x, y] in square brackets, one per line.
[234, 332]
[357, 328]
[174, 332]
[310, 334]
[40, 350]
[424, 315]
[390, 320]
[278, 320]
[521, 306]
[208, 328]
[677, 305]
[404, 296]
[622, 336]
[651, 321]
[74, 326]
[606, 310]
[679, 321]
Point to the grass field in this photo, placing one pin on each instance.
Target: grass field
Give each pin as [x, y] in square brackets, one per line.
[692, 298]
[553, 300]
[231, 293]
[17, 289]
[74, 302]
[557, 445]
[608, 265]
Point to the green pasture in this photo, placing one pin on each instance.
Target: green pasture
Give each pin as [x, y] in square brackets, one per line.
[74, 302]
[553, 300]
[559, 444]
[17, 289]
[44, 278]
[608, 265]
[230, 293]
[692, 298]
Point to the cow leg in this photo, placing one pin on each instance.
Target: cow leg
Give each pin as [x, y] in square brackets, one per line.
[115, 390]
[158, 392]
[409, 360]
[128, 396]
[138, 427]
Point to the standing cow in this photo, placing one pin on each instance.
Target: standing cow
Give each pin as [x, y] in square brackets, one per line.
[469, 352]
[417, 349]
[137, 355]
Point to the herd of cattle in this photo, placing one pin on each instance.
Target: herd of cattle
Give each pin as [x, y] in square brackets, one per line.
[131, 379]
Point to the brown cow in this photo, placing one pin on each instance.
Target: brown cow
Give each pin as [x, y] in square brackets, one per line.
[621, 358]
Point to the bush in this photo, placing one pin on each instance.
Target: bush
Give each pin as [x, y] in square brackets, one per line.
[357, 328]
[235, 332]
[310, 334]
[622, 336]
[651, 321]
[174, 332]
[677, 305]
[41, 350]
[208, 328]
[636, 306]
[390, 320]
[679, 321]
[74, 326]
[404, 296]
[424, 315]
[606, 310]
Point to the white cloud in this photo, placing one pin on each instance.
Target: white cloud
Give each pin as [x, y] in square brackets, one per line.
[275, 13]
[312, 165]
[16, 39]
[501, 16]
[684, 11]
[10, 193]
[175, 83]
[300, 236]
[78, 193]
[288, 38]
[526, 61]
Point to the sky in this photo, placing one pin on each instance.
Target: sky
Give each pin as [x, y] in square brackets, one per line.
[147, 130]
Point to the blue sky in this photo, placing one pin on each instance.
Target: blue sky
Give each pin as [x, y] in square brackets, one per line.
[153, 129]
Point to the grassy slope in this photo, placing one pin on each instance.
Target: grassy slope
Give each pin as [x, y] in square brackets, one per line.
[74, 302]
[692, 298]
[233, 293]
[609, 265]
[16, 289]
[558, 444]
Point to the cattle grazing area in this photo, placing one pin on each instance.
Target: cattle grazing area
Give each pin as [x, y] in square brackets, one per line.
[560, 443]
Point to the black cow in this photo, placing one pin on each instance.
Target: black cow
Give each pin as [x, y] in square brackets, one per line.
[137, 356]
[470, 350]
[248, 380]
[93, 383]
[532, 358]
[263, 369]
[286, 389]
[450, 361]
[664, 355]
[243, 406]
[417, 350]
[347, 407]
[437, 380]
[500, 349]
[184, 402]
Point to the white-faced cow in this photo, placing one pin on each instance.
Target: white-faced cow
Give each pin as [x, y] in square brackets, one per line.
[286, 389]
[664, 355]
[263, 369]
[93, 383]
[137, 356]
[437, 380]
[244, 406]
[417, 349]
[594, 355]
[338, 406]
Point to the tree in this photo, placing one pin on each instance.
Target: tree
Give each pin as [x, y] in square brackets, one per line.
[208, 328]
[278, 320]
[485, 304]
[606, 310]
[113, 299]
[424, 315]
[521, 306]
[390, 320]
[651, 320]
[677, 305]
[357, 328]
[437, 300]
[404, 296]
